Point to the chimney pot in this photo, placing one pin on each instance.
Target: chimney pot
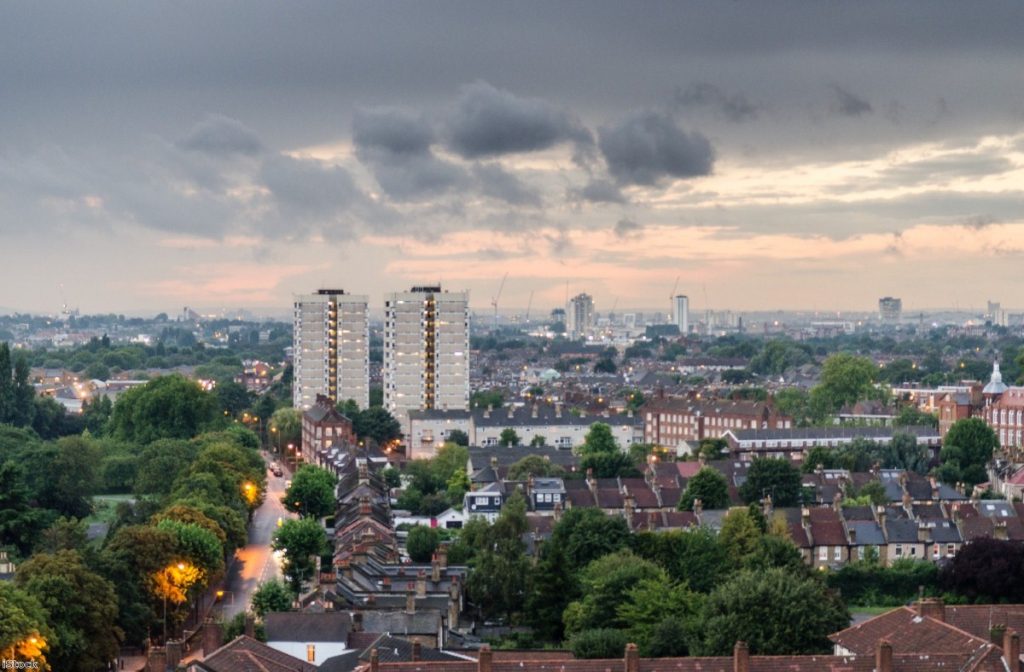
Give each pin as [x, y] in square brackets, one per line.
[932, 607]
[632, 658]
[410, 602]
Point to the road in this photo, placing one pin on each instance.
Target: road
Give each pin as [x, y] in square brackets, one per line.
[256, 563]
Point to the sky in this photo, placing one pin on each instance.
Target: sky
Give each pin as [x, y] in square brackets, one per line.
[802, 155]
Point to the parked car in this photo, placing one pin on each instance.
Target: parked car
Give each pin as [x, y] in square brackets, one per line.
[275, 469]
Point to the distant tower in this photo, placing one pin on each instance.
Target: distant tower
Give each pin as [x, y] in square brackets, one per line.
[681, 313]
[579, 315]
[890, 308]
[332, 354]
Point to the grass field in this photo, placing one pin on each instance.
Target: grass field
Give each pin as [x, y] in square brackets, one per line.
[105, 507]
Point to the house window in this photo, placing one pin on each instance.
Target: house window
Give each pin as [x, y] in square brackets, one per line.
[838, 554]
[860, 552]
[311, 653]
[913, 551]
[823, 553]
[950, 550]
[899, 550]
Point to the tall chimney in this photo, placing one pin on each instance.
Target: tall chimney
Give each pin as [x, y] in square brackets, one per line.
[421, 583]
[174, 647]
[932, 607]
[740, 657]
[435, 569]
[883, 657]
[416, 651]
[374, 660]
[410, 602]
[442, 556]
[212, 636]
[250, 625]
[357, 621]
[483, 662]
[632, 658]
[1011, 649]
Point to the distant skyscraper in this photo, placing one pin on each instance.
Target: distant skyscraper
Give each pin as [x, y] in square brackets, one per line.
[579, 316]
[997, 315]
[681, 313]
[426, 351]
[331, 348]
[890, 309]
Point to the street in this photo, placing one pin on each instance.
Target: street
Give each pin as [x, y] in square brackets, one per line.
[255, 563]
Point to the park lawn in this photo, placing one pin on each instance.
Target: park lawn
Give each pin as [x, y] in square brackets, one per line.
[105, 507]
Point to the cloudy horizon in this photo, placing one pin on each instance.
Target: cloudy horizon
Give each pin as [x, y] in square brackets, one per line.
[796, 155]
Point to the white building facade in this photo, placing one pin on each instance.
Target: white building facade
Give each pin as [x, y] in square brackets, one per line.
[426, 351]
[579, 316]
[681, 313]
[331, 348]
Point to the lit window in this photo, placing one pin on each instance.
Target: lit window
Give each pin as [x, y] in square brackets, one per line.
[311, 653]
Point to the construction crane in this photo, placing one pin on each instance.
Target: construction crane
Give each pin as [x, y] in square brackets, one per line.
[529, 303]
[674, 288]
[494, 301]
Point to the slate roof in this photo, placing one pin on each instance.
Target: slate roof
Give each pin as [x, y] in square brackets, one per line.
[401, 623]
[296, 626]
[827, 433]
[244, 653]
[901, 531]
[395, 650]
[867, 533]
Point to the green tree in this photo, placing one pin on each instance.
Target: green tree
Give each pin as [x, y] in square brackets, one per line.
[133, 557]
[286, 427]
[65, 534]
[448, 460]
[377, 424]
[232, 397]
[486, 398]
[20, 521]
[845, 379]
[599, 440]
[533, 465]
[497, 583]
[652, 602]
[23, 619]
[166, 407]
[772, 476]
[709, 486]
[96, 414]
[606, 643]
[604, 583]
[458, 486]
[422, 542]
[24, 408]
[6, 385]
[538, 441]
[605, 365]
[301, 541]
[311, 493]
[82, 608]
[586, 534]
[458, 437]
[271, 596]
[912, 416]
[903, 452]
[774, 612]
[966, 451]
[740, 535]
[197, 544]
[67, 475]
[695, 556]
[508, 437]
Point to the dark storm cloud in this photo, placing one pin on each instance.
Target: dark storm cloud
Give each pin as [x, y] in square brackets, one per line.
[486, 121]
[847, 104]
[627, 228]
[498, 183]
[391, 130]
[649, 146]
[733, 107]
[220, 135]
[597, 191]
[309, 186]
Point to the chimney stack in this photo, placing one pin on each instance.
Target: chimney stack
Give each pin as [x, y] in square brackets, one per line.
[1011, 649]
[416, 651]
[740, 657]
[883, 657]
[485, 659]
[632, 658]
[364, 506]
[435, 569]
[698, 507]
[250, 625]
[212, 636]
[421, 583]
[488, 410]
[410, 602]
[174, 647]
[374, 660]
[157, 661]
[442, 556]
[933, 607]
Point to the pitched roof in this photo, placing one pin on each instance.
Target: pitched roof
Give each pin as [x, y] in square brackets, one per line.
[296, 626]
[243, 654]
[909, 632]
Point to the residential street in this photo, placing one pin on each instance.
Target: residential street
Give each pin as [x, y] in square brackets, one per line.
[256, 563]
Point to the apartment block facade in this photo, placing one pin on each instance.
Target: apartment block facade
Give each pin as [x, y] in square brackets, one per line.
[331, 348]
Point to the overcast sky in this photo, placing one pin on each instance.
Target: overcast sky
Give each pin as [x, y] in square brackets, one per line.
[814, 155]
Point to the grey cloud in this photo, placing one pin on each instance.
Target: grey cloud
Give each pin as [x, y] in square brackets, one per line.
[392, 130]
[309, 186]
[734, 107]
[847, 104]
[597, 191]
[559, 244]
[221, 136]
[498, 183]
[417, 177]
[490, 122]
[627, 228]
[649, 146]
[979, 222]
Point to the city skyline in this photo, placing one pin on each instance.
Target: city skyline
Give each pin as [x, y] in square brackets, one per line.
[827, 158]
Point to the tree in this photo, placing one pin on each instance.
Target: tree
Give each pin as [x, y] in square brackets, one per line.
[286, 427]
[166, 407]
[486, 399]
[24, 632]
[585, 534]
[610, 465]
[20, 521]
[538, 441]
[695, 556]
[378, 424]
[903, 452]
[67, 475]
[709, 486]
[772, 476]
[6, 385]
[82, 608]
[740, 535]
[774, 612]
[497, 583]
[989, 570]
[508, 437]
[912, 416]
[132, 559]
[311, 493]
[599, 440]
[448, 460]
[605, 365]
[421, 543]
[458, 437]
[392, 477]
[457, 487]
[271, 596]
[23, 408]
[96, 414]
[301, 541]
[966, 451]
[604, 583]
[65, 534]
[845, 379]
[603, 643]
[647, 607]
[232, 397]
[197, 544]
[532, 465]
